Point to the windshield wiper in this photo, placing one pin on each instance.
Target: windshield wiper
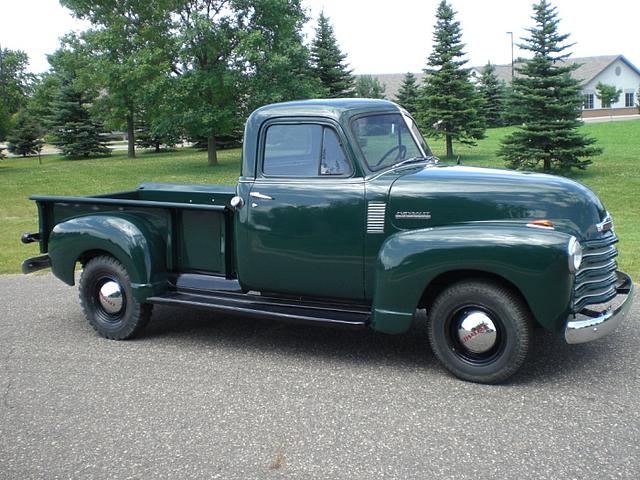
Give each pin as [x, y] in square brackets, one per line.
[428, 158]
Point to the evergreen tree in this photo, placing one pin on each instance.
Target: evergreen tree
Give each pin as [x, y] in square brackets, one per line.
[24, 138]
[448, 103]
[71, 125]
[493, 93]
[407, 95]
[548, 100]
[369, 87]
[328, 62]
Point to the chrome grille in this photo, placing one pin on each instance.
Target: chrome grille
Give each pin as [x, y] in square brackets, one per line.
[375, 217]
[596, 280]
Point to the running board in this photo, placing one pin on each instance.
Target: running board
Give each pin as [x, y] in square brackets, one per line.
[270, 308]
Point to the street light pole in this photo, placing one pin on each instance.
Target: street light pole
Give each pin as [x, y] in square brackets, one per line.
[512, 69]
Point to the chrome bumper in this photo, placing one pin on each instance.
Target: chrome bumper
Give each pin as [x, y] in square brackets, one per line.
[590, 324]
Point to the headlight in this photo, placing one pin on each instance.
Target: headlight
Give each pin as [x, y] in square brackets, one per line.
[575, 254]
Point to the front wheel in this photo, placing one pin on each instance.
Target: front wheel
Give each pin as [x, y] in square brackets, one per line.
[480, 331]
[107, 299]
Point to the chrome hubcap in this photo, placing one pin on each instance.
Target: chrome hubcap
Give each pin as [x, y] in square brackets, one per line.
[476, 331]
[110, 295]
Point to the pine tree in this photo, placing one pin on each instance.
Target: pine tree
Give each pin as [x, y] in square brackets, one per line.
[548, 100]
[407, 95]
[328, 62]
[448, 103]
[493, 93]
[72, 127]
[24, 138]
[369, 87]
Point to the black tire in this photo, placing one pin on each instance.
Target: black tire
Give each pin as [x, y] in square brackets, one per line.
[504, 339]
[104, 315]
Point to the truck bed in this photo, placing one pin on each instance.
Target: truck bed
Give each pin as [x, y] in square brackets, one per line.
[200, 210]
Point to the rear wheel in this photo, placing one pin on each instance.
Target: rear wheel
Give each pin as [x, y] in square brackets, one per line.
[480, 331]
[107, 299]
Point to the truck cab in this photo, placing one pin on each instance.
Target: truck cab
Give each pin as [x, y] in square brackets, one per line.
[343, 216]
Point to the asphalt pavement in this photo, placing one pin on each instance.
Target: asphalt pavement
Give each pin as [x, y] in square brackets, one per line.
[207, 396]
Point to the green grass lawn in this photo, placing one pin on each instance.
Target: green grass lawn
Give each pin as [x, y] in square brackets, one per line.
[615, 177]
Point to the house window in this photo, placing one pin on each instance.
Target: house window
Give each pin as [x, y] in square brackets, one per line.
[588, 101]
[629, 100]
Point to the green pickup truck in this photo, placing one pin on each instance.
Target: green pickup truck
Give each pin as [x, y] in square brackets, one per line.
[343, 216]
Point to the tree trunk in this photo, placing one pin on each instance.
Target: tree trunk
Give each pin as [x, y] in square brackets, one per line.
[547, 164]
[157, 147]
[212, 154]
[131, 139]
[449, 146]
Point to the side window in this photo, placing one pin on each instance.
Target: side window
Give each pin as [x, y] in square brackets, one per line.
[303, 150]
[333, 161]
[292, 150]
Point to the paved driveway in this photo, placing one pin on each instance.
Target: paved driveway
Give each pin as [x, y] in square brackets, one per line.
[201, 396]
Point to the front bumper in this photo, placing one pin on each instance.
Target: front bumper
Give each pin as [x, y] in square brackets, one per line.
[591, 324]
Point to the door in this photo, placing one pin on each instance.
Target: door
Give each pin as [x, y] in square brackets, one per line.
[305, 216]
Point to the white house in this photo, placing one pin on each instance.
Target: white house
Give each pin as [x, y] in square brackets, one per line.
[613, 70]
[616, 71]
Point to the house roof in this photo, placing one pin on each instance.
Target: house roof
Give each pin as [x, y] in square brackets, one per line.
[590, 68]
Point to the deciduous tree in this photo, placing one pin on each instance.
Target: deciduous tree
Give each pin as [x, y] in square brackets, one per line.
[548, 100]
[448, 103]
[369, 87]
[130, 47]
[16, 84]
[607, 94]
[279, 63]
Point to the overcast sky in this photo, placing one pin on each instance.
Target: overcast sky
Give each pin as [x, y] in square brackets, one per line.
[386, 36]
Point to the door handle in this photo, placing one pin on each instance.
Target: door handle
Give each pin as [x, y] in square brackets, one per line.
[260, 196]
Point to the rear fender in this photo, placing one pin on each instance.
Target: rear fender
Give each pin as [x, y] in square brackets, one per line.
[134, 242]
[533, 260]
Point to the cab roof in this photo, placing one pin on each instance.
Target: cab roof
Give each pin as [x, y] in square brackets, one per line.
[334, 108]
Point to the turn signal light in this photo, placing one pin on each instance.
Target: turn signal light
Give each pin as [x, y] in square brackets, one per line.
[541, 223]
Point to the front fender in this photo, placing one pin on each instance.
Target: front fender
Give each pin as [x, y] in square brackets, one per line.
[533, 260]
[137, 244]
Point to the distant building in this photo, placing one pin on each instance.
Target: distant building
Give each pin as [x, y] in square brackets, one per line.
[613, 70]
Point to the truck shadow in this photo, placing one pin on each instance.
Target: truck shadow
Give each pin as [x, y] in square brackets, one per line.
[550, 358]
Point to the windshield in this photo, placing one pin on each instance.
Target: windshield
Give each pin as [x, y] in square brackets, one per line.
[387, 139]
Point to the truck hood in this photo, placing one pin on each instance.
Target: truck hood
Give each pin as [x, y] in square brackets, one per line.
[443, 195]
